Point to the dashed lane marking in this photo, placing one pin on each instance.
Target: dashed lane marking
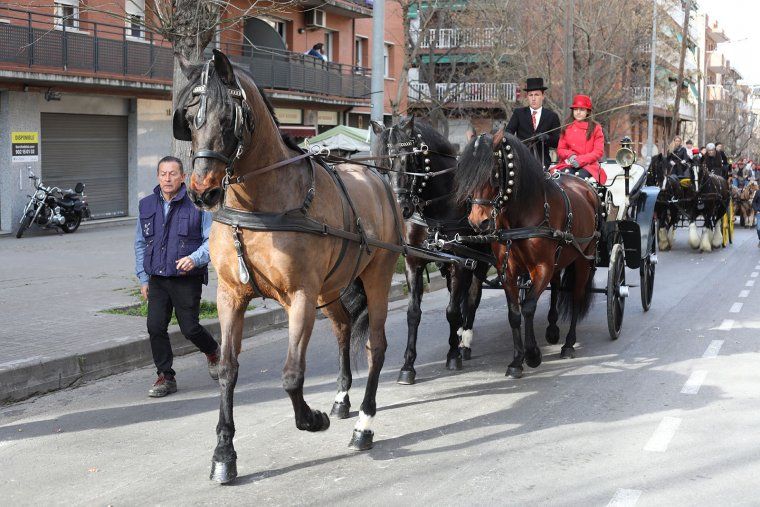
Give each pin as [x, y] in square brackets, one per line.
[694, 382]
[744, 294]
[750, 283]
[663, 434]
[625, 498]
[726, 325]
[753, 274]
[713, 349]
[736, 308]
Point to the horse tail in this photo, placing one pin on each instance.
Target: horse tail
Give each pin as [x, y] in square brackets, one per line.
[355, 303]
[566, 303]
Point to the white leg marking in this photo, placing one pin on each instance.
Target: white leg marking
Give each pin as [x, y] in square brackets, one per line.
[459, 331]
[364, 423]
[717, 239]
[625, 498]
[663, 434]
[713, 349]
[704, 244]
[750, 283]
[693, 236]
[736, 308]
[467, 338]
[726, 325]
[744, 294]
[695, 382]
[341, 396]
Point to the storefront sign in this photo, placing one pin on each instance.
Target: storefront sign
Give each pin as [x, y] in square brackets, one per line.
[25, 147]
[289, 116]
[327, 117]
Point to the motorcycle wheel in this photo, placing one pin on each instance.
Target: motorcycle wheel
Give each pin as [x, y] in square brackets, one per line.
[25, 223]
[71, 224]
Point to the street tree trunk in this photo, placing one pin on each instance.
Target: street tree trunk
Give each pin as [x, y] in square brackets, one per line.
[679, 84]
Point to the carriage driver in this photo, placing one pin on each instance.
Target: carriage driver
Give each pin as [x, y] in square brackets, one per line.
[171, 255]
[536, 122]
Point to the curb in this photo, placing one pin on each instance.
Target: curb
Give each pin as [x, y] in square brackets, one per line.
[39, 375]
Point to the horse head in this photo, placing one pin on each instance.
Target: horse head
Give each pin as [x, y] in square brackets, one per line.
[397, 147]
[214, 112]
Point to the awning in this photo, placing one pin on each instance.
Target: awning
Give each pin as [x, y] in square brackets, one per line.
[298, 130]
[341, 138]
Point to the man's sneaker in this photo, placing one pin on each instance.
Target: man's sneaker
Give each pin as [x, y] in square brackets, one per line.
[166, 384]
[213, 363]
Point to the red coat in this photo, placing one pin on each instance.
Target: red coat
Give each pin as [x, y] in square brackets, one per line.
[587, 152]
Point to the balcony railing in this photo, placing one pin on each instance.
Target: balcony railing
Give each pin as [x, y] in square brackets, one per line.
[640, 96]
[447, 93]
[31, 41]
[716, 93]
[716, 62]
[454, 38]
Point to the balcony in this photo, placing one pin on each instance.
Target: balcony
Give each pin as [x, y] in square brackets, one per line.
[462, 38]
[463, 93]
[717, 34]
[665, 102]
[716, 62]
[346, 8]
[716, 93]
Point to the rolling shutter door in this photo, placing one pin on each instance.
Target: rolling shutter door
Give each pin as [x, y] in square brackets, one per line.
[91, 149]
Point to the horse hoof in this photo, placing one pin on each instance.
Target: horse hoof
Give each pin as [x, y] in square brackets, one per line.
[552, 334]
[319, 422]
[223, 472]
[567, 353]
[514, 372]
[361, 440]
[454, 363]
[340, 410]
[406, 377]
[533, 357]
[466, 353]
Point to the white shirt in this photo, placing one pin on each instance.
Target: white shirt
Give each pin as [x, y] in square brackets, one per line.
[538, 114]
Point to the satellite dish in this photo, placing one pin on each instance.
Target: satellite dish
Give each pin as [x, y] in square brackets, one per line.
[645, 151]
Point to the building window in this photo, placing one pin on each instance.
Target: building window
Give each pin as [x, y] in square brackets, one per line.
[67, 14]
[386, 60]
[359, 44]
[279, 26]
[135, 10]
[329, 46]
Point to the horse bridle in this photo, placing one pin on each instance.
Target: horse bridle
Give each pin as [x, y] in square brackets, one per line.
[504, 175]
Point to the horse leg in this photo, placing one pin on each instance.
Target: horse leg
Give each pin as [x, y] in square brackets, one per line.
[301, 316]
[581, 301]
[231, 314]
[693, 234]
[414, 269]
[377, 281]
[341, 321]
[515, 368]
[552, 330]
[460, 284]
[469, 308]
[540, 278]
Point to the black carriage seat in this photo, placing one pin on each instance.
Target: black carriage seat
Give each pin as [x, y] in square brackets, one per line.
[616, 185]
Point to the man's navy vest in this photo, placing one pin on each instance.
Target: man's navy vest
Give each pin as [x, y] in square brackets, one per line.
[169, 240]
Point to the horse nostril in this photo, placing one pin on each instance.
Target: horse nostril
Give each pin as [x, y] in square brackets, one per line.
[211, 196]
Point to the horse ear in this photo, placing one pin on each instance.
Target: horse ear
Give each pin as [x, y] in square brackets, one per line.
[498, 138]
[377, 127]
[223, 68]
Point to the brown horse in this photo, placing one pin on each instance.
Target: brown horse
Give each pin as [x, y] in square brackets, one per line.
[232, 128]
[511, 194]
[743, 203]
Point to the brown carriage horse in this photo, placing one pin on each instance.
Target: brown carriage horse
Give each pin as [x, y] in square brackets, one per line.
[532, 212]
[241, 161]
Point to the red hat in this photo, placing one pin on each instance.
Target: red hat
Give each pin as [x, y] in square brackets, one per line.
[581, 102]
[695, 151]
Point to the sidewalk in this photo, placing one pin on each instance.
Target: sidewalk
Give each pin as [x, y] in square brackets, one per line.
[53, 289]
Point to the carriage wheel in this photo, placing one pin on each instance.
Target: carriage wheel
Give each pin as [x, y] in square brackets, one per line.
[646, 274]
[617, 291]
[731, 218]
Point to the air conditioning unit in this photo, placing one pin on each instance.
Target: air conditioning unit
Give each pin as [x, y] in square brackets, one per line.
[315, 18]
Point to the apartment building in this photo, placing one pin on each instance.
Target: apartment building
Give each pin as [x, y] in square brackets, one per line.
[88, 89]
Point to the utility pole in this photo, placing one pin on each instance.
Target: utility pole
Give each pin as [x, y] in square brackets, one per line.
[679, 84]
[652, 60]
[378, 63]
[569, 23]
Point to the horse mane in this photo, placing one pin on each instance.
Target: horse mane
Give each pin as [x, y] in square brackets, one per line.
[434, 140]
[217, 91]
[477, 168]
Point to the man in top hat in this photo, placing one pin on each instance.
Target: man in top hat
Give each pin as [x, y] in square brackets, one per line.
[536, 122]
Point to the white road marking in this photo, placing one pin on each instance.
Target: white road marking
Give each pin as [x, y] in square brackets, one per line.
[754, 274]
[695, 382]
[736, 308]
[726, 325]
[663, 434]
[625, 498]
[750, 283]
[713, 349]
[744, 294]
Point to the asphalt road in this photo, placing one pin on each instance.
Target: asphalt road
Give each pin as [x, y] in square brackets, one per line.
[666, 415]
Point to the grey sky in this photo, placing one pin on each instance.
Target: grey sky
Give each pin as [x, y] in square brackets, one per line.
[740, 20]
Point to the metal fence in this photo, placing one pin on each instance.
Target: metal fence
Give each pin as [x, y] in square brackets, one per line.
[463, 92]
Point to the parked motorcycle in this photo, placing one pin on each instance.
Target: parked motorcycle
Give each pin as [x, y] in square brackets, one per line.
[53, 207]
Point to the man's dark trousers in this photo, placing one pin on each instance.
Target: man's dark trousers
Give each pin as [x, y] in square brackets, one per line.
[183, 295]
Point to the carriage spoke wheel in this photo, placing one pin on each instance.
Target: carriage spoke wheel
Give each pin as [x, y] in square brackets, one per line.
[728, 225]
[646, 271]
[615, 288]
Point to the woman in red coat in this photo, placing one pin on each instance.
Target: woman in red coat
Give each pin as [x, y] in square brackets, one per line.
[581, 144]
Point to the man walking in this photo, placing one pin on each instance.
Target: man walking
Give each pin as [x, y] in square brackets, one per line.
[536, 122]
[171, 255]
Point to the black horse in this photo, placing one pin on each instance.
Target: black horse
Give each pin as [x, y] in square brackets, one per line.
[710, 200]
[422, 164]
[661, 174]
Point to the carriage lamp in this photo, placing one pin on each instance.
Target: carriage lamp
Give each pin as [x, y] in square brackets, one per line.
[625, 156]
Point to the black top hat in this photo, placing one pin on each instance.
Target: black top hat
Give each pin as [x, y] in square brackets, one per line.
[534, 83]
